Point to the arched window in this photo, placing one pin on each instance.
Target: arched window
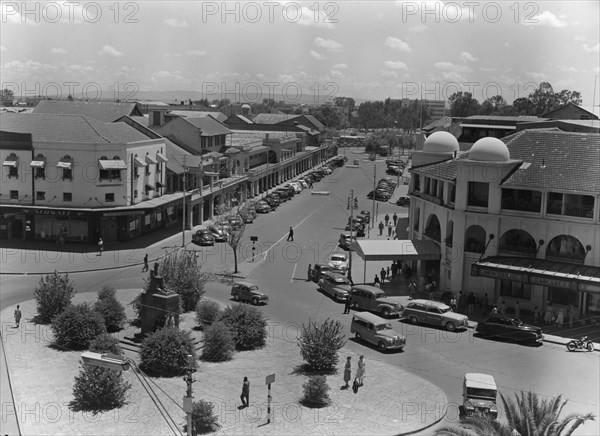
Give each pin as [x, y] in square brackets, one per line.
[565, 248]
[517, 242]
[475, 239]
[39, 166]
[432, 228]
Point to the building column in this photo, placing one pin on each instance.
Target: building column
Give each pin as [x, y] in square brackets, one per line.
[201, 206]
[211, 207]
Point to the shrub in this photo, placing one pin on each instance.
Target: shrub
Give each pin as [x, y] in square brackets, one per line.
[207, 312]
[204, 419]
[53, 295]
[136, 304]
[111, 310]
[77, 326]
[182, 275]
[165, 352]
[316, 391]
[247, 325]
[106, 343]
[99, 389]
[320, 343]
[218, 343]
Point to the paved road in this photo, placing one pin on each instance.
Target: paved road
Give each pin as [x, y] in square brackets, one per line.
[435, 355]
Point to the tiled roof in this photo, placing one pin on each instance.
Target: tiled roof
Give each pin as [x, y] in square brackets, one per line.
[508, 119]
[559, 160]
[272, 118]
[99, 110]
[209, 126]
[69, 128]
[561, 108]
[255, 137]
[443, 170]
[319, 125]
[219, 116]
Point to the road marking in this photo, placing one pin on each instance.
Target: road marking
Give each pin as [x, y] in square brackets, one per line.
[294, 273]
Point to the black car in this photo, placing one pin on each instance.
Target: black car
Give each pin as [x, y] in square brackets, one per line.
[403, 201]
[284, 194]
[203, 237]
[509, 328]
[318, 270]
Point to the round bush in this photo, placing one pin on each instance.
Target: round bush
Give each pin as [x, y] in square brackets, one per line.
[247, 325]
[207, 312]
[203, 417]
[99, 389]
[106, 343]
[182, 275]
[77, 326]
[111, 309]
[53, 295]
[218, 343]
[320, 343]
[165, 352]
[316, 391]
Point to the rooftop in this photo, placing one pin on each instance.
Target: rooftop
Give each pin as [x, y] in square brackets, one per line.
[209, 126]
[99, 110]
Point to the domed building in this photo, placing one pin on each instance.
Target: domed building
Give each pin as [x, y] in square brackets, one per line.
[509, 214]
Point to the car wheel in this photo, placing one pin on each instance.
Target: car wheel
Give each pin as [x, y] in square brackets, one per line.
[590, 346]
[236, 297]
[450, 326]
[381, 346]
[357, 335]
[255, 301]
[385, 313]
[413, 320]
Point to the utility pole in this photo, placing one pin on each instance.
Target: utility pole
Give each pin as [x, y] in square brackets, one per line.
[351, 234]
[374, 177]
[185, 170]
[188, 399]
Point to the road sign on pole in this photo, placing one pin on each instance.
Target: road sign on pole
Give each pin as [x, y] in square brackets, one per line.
[269, 379]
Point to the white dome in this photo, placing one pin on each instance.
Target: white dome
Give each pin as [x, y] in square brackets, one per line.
[246, 106]
[489, 150]
[441, 142]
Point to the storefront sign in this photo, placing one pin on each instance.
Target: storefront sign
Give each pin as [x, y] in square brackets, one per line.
[53, 212]
[549, 281]
[503, 275]
[589, 287]
[123, 213]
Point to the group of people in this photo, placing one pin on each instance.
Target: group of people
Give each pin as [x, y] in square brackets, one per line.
[360, 373]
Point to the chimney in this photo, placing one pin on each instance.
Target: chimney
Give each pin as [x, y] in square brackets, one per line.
[157, 118]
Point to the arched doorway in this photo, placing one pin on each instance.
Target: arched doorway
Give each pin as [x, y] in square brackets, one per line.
[475, 239]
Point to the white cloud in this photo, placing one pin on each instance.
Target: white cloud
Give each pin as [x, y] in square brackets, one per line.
[316, 55]
[449, 66]
[580, 38]
[418, 28]
[110, 51]
[196, 53]
[594, 49]
[174, 22]
[567, 69]
[546, 18]
[57, 50]
[467, 57]
[539, 77]
[397, 44]
[328, 44]
[172, 55]
[336, 74]
[453, 76]
[389, 73]
[395, 65]
[507, 45]
[28, 66]
[340, 66]
[310, 17]
[175, 76]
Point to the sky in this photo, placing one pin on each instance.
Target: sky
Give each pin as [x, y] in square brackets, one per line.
[246, 51]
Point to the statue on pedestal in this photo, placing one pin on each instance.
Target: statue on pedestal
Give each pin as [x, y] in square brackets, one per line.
[157, 282]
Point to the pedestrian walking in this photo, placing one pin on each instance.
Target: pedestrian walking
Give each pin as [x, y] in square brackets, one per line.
[361, 370]
[412, 288]
[146, 267]
[382, 273]
[387, 218]
[390, 227]
[381, 228]
[100, 246]
[560, 318]
[517, 310]
[347, 372]
[347, 305]
[291, 235]
[453, 303]
[245, 397]
[571, 314]
[395, 217]
[17, 317]
[309, 273]
[387, 273]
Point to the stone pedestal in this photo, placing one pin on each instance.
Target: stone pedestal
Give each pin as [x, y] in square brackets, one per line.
[158, 311]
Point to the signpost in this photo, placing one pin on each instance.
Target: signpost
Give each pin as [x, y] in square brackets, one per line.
[269, 379]
[253, 239]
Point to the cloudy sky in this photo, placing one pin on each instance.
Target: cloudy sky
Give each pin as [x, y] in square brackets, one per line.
[362, 49]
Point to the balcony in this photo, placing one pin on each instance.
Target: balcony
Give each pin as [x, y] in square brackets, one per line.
[432, 199]
[109, 181]
[521, 205]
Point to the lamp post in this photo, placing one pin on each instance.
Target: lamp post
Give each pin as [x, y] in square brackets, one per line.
[185, 172]
[491, 238]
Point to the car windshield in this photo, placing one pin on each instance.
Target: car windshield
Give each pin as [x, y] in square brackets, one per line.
[481, 393]
[341, 280]
[381, 327]
[338, 258]
[444, 310]
[517, 322]
[253, 288]
[380, 296]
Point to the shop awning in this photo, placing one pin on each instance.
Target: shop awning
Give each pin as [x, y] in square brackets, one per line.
[65, 164]
[405, 249]
[11, 161]
[488, 126]
[112, 164]
[540, 272]
[161, 158]
[159, 185]
[38, 162]
[149, 188]
[150, 160]
[138, 162]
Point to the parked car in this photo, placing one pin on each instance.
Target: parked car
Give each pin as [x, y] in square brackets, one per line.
[339, 262]
[203, 237]
[318, 270]
[335, 285]
[373, 299]
[403, 201]
[479, 395]
[262, 207]
[434, 313]
[303, 182]
[284, 194]
[273, 200]
[509, 328]
[345, 239]
[218, 234]
[248, 292]
[235, 221]
[297, 187]
[358, 229]
[377, 331]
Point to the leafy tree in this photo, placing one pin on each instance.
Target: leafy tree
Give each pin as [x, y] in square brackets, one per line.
[247, 325]
[7, 97]
[207, 312]
[53, 295]
[111, 309]
[99, 389]
[543, 99]
[204, 418]
[218, 343]
[523, 105]
[165, 352]
[70, 97]
[462, 104]
[316, 391]
[106, 343]
[493, 105]
[328, 116]
[226, 216]
[77, 326]
[320, 344]
[182, 275]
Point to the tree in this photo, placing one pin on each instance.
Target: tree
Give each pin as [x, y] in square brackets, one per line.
[182, 275]
[165, 352]
[462, 104]
[77, 326]
[7, 97]
[106, 343]
[99, 389]
[204, 418]
[207, 312]
[316, 391]
[320, 344]
[111, 309]
[53, 295]
[247, 325]
[236, 225]
[544, 99]
[328, 116]
[218, 343]
[493, 105]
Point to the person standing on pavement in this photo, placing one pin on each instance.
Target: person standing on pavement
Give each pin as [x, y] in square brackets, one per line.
[245, 397]
[503, 308]
[570, 314]
[484, 304]
[395, 217]
[17, 317]
[361, 370]
[382, 274]
[380, 228]
[376, 282]
[347, 372]
[146, 267]
[387, 218]
[100, 246]
[517, 310]
[390, 227]
[291, 235]
[347, 305]
[460, 301]
[309, 274]
[470, 303]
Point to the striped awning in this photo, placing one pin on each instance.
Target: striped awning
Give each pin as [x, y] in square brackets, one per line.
[11, 161]
[112, 164]
[38, 162]
[65, 164]
[138, 162]
[161, 158]
[150, 160]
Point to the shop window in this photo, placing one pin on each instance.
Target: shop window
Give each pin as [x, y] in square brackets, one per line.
[13, 172]
[14, 195]
[40, 173]
[40, 195]
[67, 174]
[478, 194]
[135, 193]
[109, 198]
[512, 289]
[563, 296]
[67, 196]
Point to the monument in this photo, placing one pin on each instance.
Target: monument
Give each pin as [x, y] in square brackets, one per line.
[160, 308]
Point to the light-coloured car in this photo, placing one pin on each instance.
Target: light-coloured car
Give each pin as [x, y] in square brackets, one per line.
[377, 331]
[297, 187]
[335, 285]
[339, 262]
[344, 240]
[302, 183]
[434, 313]
[373, 299]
